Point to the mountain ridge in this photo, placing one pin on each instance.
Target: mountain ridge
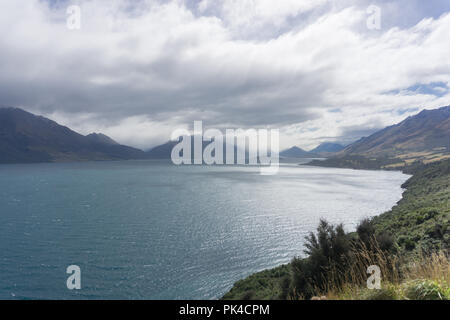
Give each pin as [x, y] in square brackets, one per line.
[328, 147]
[101, 138]
[297, 152]
[25, 138]
[422, 138]
[425, 131]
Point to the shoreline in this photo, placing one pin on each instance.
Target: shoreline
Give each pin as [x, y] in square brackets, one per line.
[268, 278]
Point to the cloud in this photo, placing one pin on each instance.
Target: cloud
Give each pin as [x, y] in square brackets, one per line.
[257, 18]
[138, 69]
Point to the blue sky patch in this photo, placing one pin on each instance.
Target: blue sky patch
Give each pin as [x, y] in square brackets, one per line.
[437, 89]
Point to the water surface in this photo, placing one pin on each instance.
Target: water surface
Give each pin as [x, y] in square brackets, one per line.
[152, 230]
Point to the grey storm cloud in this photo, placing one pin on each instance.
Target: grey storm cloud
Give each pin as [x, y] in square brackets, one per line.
[135, 65]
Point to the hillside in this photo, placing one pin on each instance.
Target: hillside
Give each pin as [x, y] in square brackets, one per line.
[425, 136]
[418, 224]
[25, 138]
[328, 147]
[296, 152]
[162, 151]
[101, 138]
[421, 219]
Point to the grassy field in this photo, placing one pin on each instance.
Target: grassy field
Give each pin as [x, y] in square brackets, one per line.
[420, 230]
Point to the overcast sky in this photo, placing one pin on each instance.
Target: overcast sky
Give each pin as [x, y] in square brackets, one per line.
[137, 70]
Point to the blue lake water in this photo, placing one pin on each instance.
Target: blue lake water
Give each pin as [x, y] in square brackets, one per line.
[152, 230]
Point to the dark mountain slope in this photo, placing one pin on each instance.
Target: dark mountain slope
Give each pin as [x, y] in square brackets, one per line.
[101, 138]
[428, 131]
[423, 138]
[296, 152]
[328, 147]
[25, 137]
[162, 151]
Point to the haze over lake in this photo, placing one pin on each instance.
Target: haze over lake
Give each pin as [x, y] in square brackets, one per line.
[149, 229]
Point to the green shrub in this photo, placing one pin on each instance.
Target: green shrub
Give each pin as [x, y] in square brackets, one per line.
[284, 288]
[436, 231]
[407, 242]
[328, 249]
[420, 219]
[388, 293]
[248, 295]
[426, 290]
[366, 231]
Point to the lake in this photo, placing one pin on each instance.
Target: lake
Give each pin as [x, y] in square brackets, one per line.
[153, 230]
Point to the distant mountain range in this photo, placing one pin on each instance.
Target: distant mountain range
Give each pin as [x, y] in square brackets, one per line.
[325, 149]
[423, 138]
[25, 137]
[296, 152]
[426, 132]
[328, 147]
[101, 138]
[164, 151]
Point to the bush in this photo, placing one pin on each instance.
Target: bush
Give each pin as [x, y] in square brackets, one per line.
[328, 251]
[248, 295]
[420, 219]
[335, 258]
[284, 288]
[426, 290]
[370, 239]
[366, 231]
[407, 243]
[301, 285]
[388, 293]
[331, 246]
[437, 231]
[385, 241]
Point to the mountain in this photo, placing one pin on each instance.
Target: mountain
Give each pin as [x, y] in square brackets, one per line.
[328, 147]
[423, 138]
[162, 151]
[101, 138]
[426, 132]
[296, 152]
[25, 137]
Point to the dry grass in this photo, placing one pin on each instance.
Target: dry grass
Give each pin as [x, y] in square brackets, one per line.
[394, 165]
[436, 267]
[425, 156]
[397, 275]
[437, 158]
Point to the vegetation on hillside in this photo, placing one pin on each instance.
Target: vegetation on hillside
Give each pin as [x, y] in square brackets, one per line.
[421, 219]
[424, 136]
[401, 162]
[423, 277]
[356, 162]
[410, 244]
